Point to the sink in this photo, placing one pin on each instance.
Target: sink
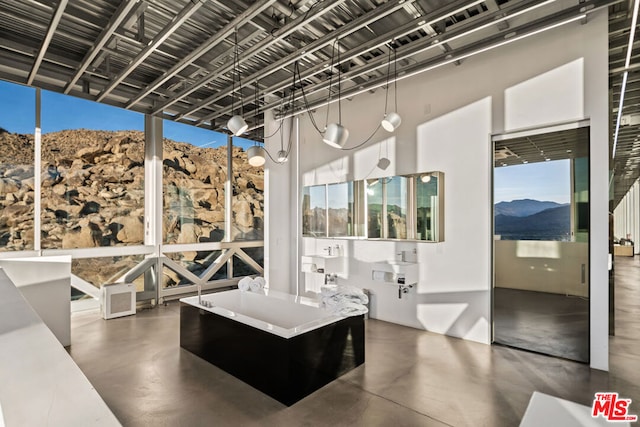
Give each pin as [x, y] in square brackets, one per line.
[396, 272]
[322, 263]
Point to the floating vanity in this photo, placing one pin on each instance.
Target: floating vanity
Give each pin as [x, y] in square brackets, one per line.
[283, 345]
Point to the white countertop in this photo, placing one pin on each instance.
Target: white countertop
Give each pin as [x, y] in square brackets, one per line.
[40, 385]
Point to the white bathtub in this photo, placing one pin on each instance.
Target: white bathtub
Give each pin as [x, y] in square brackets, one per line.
[281, 314]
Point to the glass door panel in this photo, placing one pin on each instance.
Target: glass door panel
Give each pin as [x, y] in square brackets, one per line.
[541, 242]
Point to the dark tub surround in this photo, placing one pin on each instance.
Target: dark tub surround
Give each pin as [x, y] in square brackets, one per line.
[287, 369]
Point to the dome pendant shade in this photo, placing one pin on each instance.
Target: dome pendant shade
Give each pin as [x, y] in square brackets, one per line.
[282, 156]
[383, 163]
[391, 121]
[255, 154]
[236, 125]
[335, 135]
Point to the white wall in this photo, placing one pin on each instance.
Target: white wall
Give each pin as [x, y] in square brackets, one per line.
[448, 116]
[280, 203]
[543, 266]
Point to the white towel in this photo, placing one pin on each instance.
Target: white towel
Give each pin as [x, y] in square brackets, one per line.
[328, 290]
[255, 285]
[245, 283]
[261, 281]
[338, 298]
[347, 309]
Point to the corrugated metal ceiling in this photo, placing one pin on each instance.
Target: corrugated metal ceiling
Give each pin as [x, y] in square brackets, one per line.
[174, 58]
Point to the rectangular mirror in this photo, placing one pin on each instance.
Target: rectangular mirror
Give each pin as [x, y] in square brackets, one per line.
[346, 209]
[314, 211]
[429, 206]
[404, 207]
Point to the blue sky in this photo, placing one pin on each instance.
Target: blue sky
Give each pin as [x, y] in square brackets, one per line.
[544, 181]
[60, 112]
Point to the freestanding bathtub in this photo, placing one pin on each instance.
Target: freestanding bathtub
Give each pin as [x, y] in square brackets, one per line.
[283, 345]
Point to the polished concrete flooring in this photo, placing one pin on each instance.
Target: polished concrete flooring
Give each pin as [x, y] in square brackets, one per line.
[553, 324]
[410, 377]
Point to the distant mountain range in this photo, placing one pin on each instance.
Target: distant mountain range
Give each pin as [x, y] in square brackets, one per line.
[524, 207]
[532, 220]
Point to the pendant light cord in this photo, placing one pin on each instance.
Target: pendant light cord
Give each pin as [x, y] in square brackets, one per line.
[395, 79]
[386, 92]
[233, 74]
[237, 67]
[339, 92]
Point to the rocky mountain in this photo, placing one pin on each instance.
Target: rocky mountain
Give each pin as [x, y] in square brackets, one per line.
[523, 207]
[550, 224]
[93, 191]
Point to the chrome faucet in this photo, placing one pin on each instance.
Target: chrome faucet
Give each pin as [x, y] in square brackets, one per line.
[403, 289]
[330, 279]
[328, 249]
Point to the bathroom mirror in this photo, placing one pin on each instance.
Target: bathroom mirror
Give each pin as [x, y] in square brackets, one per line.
[403, 207]
[314, 211]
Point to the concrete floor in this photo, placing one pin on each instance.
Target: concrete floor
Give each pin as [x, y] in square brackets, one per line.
[410, 378]
[552, 324]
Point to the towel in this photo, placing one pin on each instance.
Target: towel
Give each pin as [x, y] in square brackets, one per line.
[261, 281]
[337, 298]
[347, 309]
[245, 283]
[255, 285]
[328, 290]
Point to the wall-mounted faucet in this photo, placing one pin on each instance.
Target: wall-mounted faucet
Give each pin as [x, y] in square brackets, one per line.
[330, 279]
[403, 289]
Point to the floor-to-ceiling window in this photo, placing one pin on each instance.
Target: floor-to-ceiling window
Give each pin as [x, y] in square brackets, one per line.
[80, 187]
[17, 148]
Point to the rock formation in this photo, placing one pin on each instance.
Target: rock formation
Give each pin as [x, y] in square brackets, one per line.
[92, 188]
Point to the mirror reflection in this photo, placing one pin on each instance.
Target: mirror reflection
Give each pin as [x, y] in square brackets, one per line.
[314, 211]
[403, 207]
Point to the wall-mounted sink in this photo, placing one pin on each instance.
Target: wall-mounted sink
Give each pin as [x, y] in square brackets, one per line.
[322, 263]
[396, 272]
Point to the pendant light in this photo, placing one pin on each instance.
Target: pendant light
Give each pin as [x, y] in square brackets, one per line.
[256, 155]
[392, 119]
[236, 124]
[335, 134]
